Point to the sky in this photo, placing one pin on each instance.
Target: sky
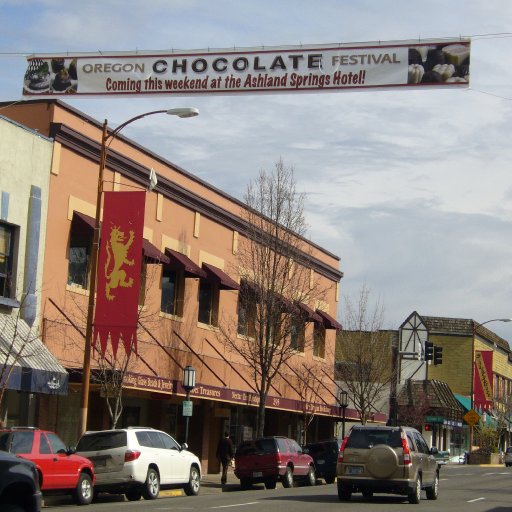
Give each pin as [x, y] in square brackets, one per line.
[410, 188]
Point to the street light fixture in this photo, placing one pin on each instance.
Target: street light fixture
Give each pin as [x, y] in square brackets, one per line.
[106, 140]
[343, 404]
[188, 383]
[475, 325]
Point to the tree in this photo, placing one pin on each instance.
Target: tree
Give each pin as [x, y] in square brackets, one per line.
[308, 386]
[363, 355]
[275, 277]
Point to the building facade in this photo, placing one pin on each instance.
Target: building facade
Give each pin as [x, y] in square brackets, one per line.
[191, 285]
[27, 368]
[462, 342]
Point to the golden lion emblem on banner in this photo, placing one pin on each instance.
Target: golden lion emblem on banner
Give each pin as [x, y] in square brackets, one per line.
[117, 252]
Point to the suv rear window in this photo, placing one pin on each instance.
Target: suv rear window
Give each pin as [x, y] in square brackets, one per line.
[366, 438]
[101, 441]
[258, 447]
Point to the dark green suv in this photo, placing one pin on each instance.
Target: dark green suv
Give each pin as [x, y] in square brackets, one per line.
[395, 460]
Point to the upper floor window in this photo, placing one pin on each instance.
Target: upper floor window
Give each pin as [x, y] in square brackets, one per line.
[246, 311]
[208, 302]
[319, 340]
[173, 285]
[298, 334]
[6, 259]
[80, 246]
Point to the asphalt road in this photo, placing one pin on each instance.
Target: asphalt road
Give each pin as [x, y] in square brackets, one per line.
[462, 489]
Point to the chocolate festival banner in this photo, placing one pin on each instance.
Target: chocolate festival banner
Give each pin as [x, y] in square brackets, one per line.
[314, 68]
[119, 264]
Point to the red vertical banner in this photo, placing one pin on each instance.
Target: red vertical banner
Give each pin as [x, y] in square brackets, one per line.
[119, 266]
[482, 380]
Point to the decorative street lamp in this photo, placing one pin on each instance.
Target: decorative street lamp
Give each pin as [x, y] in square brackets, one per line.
[106, 140]
[343, 403]
[188, 383]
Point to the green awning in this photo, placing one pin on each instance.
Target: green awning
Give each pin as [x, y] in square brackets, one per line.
[465, 401]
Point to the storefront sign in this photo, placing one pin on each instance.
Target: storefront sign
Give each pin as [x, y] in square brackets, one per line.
[286, 69]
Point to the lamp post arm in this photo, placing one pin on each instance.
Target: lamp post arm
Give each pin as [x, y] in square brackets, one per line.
[113, 133]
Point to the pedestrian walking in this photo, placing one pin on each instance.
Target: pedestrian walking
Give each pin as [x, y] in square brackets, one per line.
[225, 452]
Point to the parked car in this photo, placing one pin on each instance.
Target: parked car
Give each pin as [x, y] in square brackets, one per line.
[325, 457]
[508, 456]
[394, 460]
[137, 461]
[19, 485]
[59, 469]
[273, 459]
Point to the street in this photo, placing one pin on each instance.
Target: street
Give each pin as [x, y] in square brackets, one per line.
[462, 489]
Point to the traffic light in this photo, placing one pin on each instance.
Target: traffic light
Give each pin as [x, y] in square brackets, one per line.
[438, 355]
[428, 427]
[429, 351]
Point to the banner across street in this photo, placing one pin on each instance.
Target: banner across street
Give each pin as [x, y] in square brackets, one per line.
[291, 69]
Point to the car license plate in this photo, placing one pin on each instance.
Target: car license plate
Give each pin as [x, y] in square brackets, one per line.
[354, 470]
[257, 474]
[321, 461]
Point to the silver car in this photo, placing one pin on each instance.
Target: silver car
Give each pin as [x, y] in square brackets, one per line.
[137, 461]
[394, 460]
[508, 457]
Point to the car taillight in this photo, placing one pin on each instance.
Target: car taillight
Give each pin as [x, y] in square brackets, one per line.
[130, 455]
[407, 453]
[342, 448]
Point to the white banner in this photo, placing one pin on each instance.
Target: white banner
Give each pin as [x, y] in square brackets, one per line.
[432, 63]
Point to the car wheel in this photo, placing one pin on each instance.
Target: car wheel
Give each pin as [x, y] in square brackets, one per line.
[433, 490]
[84, 492]
[151, 488]
[288, 478]
[245, 483]
[311, 476]
[329, 479]
[344, 492]
[367, 493]
[270, 484]
[415, 495]
[194, 482]
[133, 495]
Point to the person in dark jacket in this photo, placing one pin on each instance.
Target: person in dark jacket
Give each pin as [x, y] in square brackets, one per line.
[225, 452]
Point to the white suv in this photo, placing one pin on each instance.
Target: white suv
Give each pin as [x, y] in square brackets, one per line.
[136, 461]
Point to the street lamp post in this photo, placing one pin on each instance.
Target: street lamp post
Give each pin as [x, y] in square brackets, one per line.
[106, 140]
[343, 404]
[475, 325]
[188, 383]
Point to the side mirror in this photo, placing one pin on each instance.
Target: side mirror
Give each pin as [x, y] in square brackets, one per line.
[184, 446]
[434, 450]
[71, 450]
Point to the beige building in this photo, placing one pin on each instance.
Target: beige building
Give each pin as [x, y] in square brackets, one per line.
[27, 368]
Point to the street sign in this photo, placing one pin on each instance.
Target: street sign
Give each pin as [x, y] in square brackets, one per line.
[471, 417]
[187, 407]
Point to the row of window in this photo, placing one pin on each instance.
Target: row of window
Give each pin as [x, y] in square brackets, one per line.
[175, 271]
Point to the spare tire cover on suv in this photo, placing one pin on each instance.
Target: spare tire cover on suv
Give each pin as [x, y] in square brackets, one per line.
[382, 461]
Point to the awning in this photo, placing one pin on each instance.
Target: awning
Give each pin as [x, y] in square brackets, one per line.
[151, 253]
[310, 314]
[178, 260]
[465, 401]
[329, 321]
[83, 224]
[218, 276]
[34, 368]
